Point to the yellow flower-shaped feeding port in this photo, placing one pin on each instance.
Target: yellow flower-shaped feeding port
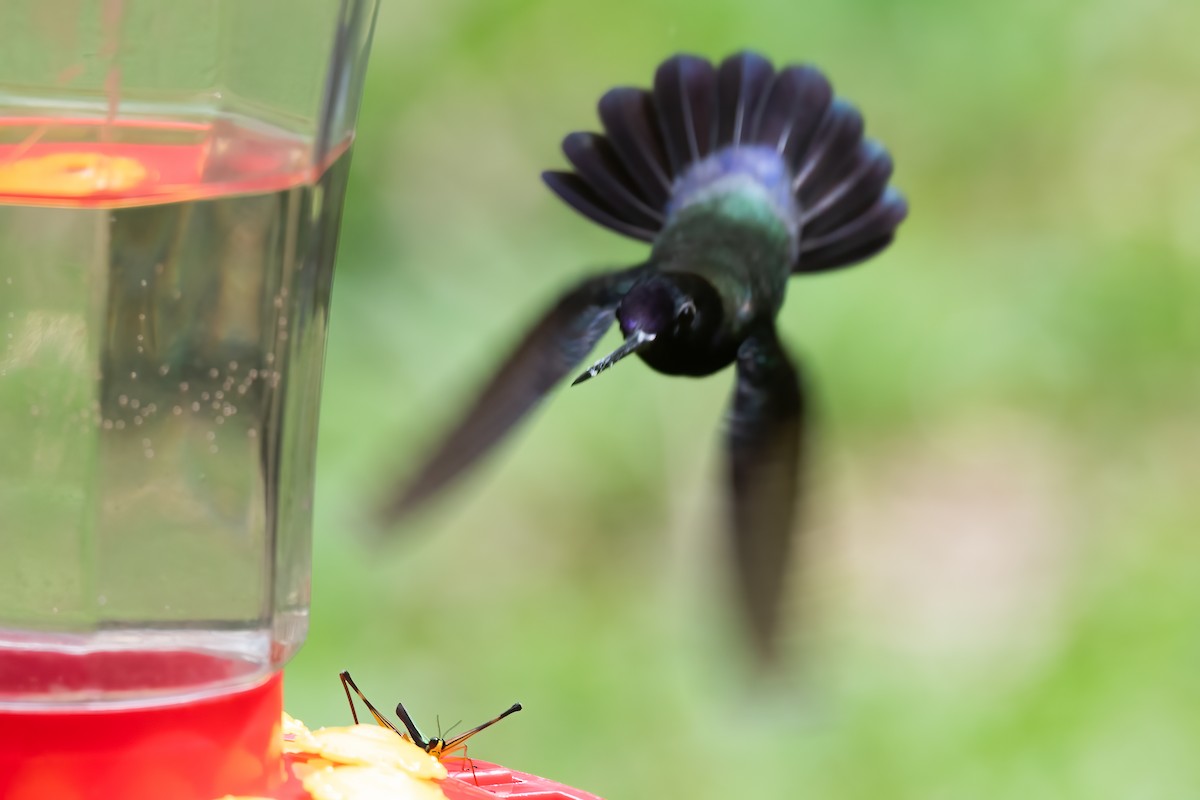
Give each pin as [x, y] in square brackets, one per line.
[70, 174]
[296, 737]
[369, 783]
[372, 745]
[360, 762]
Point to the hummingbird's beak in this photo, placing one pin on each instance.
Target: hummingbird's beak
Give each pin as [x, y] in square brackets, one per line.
[636, 341]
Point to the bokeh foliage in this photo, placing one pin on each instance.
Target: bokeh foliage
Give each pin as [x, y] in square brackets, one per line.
[999, 589]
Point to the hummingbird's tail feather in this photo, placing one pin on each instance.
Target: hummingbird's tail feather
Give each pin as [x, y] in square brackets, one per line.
[848, 211]
[858, 238]
[552, 349]
[629, 178]
[597, 163]
[835, 143]
[578, 194]
[846, 191]
[685, 99]
[791, 111]
[742, 80]
[628, 117]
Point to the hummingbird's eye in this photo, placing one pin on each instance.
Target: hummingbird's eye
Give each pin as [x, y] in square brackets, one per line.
[687, 313]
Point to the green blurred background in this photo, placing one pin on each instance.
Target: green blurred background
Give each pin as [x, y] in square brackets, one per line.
[999, 592]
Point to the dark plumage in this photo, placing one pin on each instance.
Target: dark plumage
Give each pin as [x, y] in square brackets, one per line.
[628, 178]
[740, 175]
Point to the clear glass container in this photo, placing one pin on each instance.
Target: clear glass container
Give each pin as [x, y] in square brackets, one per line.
[171, 185]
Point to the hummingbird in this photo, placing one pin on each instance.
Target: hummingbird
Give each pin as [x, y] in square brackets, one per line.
[739, 175]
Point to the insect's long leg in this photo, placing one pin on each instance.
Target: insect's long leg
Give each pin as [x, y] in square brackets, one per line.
[470, 764]
[457, 741]
[348, 684]
[467, 763]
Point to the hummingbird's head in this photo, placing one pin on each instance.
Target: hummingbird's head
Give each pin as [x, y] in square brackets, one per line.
[674, 322]
[680, 310]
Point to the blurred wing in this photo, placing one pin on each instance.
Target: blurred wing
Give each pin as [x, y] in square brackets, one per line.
[553, 348]
[766, 433]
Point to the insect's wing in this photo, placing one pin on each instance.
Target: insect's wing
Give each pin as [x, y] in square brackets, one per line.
[766, 434]
[413, 733]
[553, 348]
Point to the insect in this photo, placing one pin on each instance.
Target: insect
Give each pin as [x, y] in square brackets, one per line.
[438, 747]
[739, 176]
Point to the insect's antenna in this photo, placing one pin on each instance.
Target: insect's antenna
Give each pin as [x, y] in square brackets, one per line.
[348, 684]
[454, 743]
[417, 738]
[444, 733]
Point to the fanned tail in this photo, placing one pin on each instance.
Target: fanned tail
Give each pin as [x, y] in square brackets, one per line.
[624, 179]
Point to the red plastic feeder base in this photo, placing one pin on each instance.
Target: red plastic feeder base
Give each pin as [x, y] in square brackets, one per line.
[479, 780]
[473, 780]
